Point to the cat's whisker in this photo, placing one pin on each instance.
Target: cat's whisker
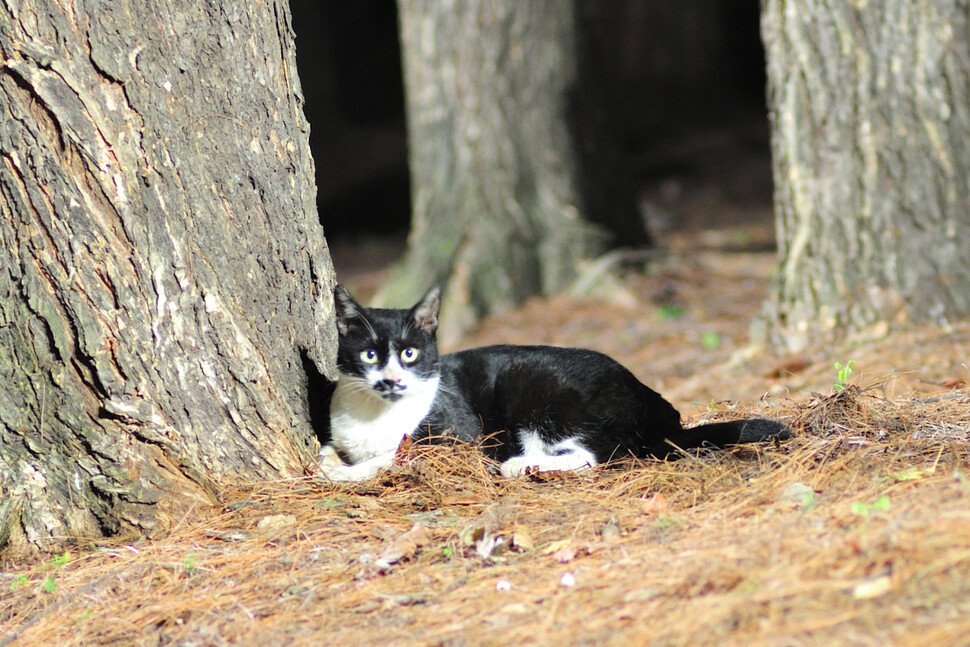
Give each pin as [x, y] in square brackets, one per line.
[370, 329]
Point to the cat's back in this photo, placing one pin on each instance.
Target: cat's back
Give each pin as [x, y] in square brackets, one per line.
[486, 365]
[499, 356]
[533, 387]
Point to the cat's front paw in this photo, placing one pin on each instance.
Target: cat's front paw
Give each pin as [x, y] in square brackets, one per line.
[525, 465]
[341, 474]
[518, 466]
[332, 466]
[328, 458]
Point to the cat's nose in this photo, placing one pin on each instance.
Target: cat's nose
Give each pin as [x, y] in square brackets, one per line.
[390, 385]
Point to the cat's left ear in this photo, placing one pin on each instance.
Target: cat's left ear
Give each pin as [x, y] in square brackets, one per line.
[425, 312]
[345, 307]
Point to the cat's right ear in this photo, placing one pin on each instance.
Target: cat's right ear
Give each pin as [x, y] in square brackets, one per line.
[425, 311]
[345, 307]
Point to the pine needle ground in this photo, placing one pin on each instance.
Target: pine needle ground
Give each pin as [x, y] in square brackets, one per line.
[857, 531]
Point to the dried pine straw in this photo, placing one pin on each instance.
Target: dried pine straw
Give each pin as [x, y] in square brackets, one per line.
[855, 532]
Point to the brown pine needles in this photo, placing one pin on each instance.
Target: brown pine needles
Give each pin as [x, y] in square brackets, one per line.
[857, 531]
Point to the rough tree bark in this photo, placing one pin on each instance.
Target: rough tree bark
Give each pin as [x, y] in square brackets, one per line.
[870, 110]
[496, 210]
[162, 265]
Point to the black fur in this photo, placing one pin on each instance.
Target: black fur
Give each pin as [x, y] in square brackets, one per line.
[565, 392]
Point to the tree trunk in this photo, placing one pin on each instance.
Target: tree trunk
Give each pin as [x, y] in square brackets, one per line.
[162, 267]
[496, 213]
[870, 110]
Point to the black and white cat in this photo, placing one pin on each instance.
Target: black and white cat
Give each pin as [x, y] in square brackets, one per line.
[538, 407]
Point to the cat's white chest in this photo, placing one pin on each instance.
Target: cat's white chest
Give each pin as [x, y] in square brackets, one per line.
[363, 425]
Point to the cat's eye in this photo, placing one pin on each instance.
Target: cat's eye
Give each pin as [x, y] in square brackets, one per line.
[409, 355]
[369, 356]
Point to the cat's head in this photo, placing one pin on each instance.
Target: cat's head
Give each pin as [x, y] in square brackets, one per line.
[394, 353]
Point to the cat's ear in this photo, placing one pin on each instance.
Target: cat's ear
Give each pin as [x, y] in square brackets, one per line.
[345, 307]
[425, 312]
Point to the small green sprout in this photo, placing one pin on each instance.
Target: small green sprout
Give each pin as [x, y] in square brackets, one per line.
[188, 564]
[864, 509]
[710, 340]
[672, 311]
[808, 500]
[844, 373]
[50, 583]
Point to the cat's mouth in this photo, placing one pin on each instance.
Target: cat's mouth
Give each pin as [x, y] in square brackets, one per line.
[390, 390]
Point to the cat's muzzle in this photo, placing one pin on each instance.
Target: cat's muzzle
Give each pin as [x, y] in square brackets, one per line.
[390, 389]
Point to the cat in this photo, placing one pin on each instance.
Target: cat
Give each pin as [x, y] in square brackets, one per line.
[532, 408]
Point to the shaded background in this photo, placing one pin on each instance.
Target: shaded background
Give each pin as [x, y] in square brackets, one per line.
[684, 85]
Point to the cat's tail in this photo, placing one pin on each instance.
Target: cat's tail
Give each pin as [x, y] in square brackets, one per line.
[722, 434]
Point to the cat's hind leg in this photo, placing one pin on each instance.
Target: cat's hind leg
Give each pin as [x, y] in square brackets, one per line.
[539, 455]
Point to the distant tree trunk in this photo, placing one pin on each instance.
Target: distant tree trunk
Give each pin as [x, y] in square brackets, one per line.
[162, 265]
[497, 214]
[870, 111]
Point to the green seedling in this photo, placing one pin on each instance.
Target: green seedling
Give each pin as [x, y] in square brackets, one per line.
[50, 582]
[808, 500]
[672, 311]
[844, 373]
[188, 564]
[710, 340]
[865, 509]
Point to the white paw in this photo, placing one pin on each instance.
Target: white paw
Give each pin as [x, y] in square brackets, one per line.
[332, 466]
[522, 465]
[334, 469]
[328, 458]
[518, 466]
[342, 474]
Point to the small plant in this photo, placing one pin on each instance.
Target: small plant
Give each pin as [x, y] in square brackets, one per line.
[672, 311]
[188, 564]
[710, 340]
[808, 500]
[864, 509]
[50, 584]
[843, 374]
[17, 582]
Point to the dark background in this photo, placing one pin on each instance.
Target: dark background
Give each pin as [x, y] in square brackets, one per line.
[683, 86]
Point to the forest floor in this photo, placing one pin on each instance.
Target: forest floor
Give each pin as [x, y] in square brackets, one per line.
[854, 532]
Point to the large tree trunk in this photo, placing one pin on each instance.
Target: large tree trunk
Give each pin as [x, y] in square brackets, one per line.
[870, 110]
[162, 265]
[497, 214]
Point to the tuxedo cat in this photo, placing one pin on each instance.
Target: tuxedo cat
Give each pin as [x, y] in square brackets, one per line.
[532, 407]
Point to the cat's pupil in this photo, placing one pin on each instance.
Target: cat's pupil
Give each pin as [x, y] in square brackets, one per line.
[369, 356]
[409, 355]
